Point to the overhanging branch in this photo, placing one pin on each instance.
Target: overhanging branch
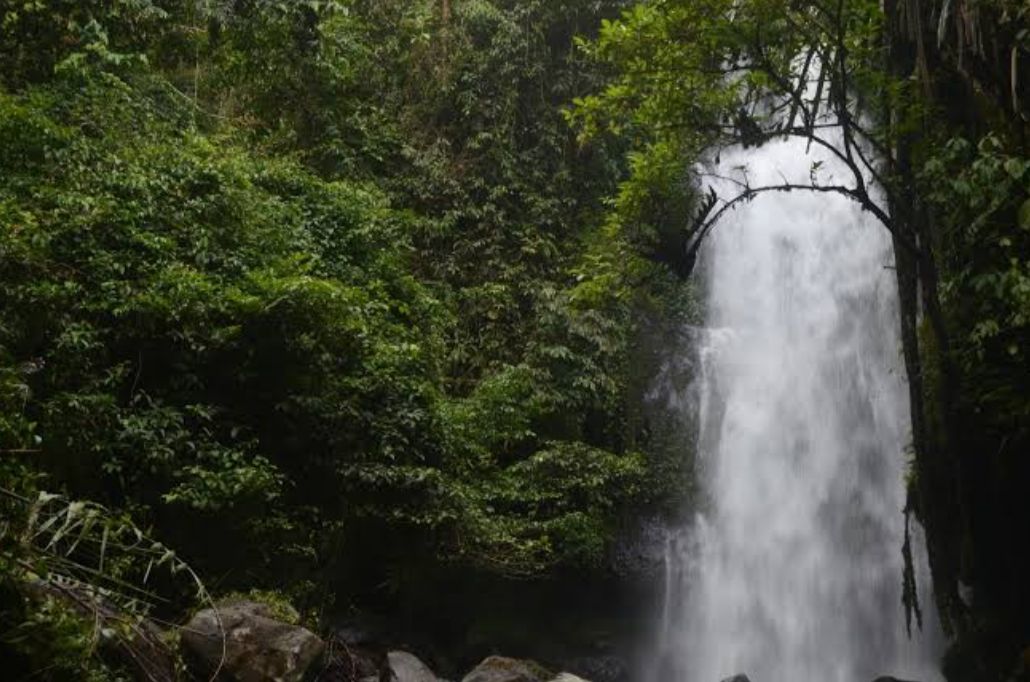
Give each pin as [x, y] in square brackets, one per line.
[707, 219]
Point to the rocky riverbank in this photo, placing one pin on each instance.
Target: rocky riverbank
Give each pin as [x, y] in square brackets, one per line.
[249, 642]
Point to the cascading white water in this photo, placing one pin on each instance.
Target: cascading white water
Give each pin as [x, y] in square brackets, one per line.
[793, 571]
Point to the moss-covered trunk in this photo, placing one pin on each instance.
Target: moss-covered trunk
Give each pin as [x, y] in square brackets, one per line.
[967, 482]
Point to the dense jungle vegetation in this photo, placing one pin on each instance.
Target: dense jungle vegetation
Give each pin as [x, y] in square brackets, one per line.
[359, 301]
[323, 294]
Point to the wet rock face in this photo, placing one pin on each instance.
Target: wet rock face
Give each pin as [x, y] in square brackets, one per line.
[500, 669]
[407, 668]
[256, 646]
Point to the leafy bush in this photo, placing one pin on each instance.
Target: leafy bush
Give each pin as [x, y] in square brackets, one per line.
[982, 193]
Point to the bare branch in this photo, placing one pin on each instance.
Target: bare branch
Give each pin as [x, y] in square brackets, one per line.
[797, 98]
[709, 219]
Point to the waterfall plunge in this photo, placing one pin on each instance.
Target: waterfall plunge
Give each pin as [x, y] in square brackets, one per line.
[793, 571]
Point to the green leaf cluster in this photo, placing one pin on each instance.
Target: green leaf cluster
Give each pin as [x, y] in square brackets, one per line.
[981, 195]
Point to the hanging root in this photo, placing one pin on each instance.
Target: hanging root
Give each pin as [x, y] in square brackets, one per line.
[909, 591]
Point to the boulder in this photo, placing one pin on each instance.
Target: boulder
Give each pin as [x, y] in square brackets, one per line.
[500, 669]
[407, 668]
[257, 647]
[888, 678]
[568, 677]
[738, 678]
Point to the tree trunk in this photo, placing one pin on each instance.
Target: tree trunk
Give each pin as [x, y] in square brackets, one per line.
[928, 363]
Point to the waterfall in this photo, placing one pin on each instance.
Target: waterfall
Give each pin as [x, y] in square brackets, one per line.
[792, 569]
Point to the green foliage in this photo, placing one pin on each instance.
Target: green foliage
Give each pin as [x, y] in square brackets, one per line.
[77, 584]
[199, 321]
[495, 171]
[282, 276]
[556, 500]
[982, 195]
[51, 637]
[36, 36]
[278, 605]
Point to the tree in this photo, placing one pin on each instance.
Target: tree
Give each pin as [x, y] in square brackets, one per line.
[703, 76]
